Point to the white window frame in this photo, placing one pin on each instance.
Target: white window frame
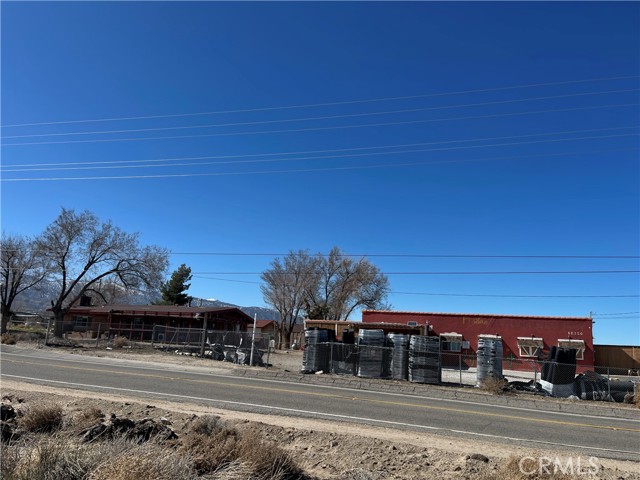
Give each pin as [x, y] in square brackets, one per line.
[578, 345]
[450, 339]
[528, 346]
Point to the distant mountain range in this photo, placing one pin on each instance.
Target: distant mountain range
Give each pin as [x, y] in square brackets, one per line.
[39, 299]
[262, 313]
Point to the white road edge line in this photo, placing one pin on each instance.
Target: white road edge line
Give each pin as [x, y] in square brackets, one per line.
[331, 415]
[329, 387]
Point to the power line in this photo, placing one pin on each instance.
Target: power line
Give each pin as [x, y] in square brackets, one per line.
[259, 172]
[314, 129]
[304, 152]
[613, 313]
[401, 255]
[346, 102]
[328, 157]
[531, 272]
[325, 117]
[512, 296]
[452, 294]
[411, 255]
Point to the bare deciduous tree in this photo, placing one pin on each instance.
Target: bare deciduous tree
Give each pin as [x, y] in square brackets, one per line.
[330, 287]
[84, 251]
[21, 267]
[285, 287]
[343, 285]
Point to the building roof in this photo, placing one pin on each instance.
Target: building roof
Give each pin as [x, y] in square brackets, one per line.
[366, 325]
[492, 315]
[160, 310]
[264, 323]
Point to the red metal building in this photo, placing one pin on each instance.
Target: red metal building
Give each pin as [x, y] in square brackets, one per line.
[522, 335]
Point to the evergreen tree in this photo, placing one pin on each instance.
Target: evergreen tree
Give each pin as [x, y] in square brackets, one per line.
[173, 289]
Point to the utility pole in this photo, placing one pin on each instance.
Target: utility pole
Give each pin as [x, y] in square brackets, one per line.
[253, 338]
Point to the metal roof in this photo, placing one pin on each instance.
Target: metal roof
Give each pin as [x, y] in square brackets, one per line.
[495, 315]
[167, 310]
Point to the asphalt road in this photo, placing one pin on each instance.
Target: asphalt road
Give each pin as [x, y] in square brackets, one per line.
[584, 434]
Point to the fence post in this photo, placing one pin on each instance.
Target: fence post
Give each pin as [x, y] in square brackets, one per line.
[269, 352]
[253, 338]
[98, 335]
[460, 367]
[608, 385]
[46, 335]
[153, 335]
[330, 357]
[204, 337]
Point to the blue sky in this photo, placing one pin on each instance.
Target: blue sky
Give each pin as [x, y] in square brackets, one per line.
[549, 168]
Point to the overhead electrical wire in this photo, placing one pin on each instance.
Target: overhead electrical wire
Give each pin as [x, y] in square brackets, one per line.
[595, 314]
[335, 103]
[334, 127]
[12, 168]
[450, 294]
[410, 255]
[325, 117]
[327, 157]
[268, 172]
[514, 272]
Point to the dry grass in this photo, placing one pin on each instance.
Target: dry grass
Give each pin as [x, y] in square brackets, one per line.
[8, 339]
[494, 385]
[87, 418]
[120, 342]
[51, 449]
[148, 461]
[54, 458]
[215, 447]
[268, 460]
[42, 419]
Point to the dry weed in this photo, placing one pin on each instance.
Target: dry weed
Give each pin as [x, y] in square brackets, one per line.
[87, 418]
[269, 461]
[210, 453]
[207, 425]
[494, 385]
[8, 339]
[54, 458]
[46, 418]
[120, 342]
[148, 461]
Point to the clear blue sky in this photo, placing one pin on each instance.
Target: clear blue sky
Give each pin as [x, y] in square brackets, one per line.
[564, 181]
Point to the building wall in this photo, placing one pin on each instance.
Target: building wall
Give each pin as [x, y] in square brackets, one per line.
[618, 356]
[550, 329]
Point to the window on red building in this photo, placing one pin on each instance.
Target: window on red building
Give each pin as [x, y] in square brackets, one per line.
[575, 344]
[451, 342]
[529, 346]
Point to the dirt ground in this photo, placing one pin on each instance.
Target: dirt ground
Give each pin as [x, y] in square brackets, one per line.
[324, 449]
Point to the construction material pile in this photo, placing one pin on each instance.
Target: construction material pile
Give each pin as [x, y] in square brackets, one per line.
[399, 355]
[489, 358]
[315, 357]
[424, 359]
[559, 371]
[344, 358]
[372, 354]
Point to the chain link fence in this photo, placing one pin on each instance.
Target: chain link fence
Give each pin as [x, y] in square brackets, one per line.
[452, 368]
